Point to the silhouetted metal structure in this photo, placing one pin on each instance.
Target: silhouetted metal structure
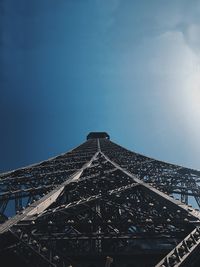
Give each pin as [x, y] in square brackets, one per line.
[100, 205]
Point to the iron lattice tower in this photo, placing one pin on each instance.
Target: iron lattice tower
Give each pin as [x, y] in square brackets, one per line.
[100, 205]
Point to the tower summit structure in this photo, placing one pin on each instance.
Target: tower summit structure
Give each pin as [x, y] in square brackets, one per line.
[100, 205]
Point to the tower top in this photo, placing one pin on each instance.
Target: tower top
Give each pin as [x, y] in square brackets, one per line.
[94, 135]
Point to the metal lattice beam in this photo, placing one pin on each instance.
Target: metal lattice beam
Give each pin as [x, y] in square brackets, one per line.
[100, 199]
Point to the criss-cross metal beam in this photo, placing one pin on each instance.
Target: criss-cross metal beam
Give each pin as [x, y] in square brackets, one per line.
[100, 198]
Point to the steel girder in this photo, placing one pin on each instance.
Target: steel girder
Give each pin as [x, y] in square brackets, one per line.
[100, 199]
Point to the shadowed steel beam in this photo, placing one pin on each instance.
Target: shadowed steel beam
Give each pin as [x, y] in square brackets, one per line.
[40, 205]
[156, 192]
[179, 255]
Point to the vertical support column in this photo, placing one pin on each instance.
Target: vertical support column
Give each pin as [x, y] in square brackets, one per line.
[184, 198]
[98, 240]
[18, 202]
[99, 146]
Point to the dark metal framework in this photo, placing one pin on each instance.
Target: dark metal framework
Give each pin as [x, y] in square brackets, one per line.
[100, 200]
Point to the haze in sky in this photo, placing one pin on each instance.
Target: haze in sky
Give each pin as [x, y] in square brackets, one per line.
[128, 67]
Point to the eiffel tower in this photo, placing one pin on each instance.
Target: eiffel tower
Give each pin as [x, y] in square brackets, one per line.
[100, 205]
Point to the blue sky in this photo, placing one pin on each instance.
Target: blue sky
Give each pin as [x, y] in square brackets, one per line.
[127, 67]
